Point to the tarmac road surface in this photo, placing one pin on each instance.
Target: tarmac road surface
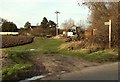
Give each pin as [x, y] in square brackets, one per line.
[102, 72]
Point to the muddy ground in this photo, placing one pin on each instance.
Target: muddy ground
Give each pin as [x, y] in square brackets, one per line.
[53, 65]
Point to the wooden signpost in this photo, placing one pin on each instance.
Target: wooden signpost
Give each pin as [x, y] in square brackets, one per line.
[110, 25]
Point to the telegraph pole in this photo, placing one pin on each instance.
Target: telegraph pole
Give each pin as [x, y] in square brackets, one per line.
[57, 12]
[110, 31]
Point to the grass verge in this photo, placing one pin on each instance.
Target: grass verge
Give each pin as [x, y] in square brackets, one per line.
[12, 72]
[18, 65]
[107, 55]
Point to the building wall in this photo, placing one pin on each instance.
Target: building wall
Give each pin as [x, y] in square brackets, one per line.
[90, 32]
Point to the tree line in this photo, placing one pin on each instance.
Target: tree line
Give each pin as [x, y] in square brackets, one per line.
[46, 26]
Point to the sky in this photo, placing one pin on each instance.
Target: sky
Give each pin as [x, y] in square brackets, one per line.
[21, 11]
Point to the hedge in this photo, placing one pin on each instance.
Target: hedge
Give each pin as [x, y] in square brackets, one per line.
[10, 41]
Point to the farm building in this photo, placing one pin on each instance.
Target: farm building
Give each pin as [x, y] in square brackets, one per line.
[90, 32]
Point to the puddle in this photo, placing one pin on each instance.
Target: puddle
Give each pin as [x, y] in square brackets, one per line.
[33, 78]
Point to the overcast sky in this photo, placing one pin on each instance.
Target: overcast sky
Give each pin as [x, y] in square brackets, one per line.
[21, 11]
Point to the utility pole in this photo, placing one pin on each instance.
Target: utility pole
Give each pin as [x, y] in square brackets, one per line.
[57, 12]
[110, 31]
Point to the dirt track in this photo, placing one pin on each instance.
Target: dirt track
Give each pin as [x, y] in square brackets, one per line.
[56, 65]
[53, 65]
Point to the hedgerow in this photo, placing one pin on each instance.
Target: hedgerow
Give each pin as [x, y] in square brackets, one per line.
[10, 41]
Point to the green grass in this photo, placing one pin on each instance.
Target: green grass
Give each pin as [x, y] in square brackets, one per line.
[12, 71]
[18, 66]
[102, 55]
[107, 55]
[40, 45]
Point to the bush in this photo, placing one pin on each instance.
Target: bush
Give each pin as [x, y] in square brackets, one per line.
[10, 41]
[36, 31]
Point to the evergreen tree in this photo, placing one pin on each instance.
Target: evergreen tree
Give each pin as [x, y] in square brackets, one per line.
[52, 24]
[9, 27]
[27, 25]
[44, 23]
[48, 26]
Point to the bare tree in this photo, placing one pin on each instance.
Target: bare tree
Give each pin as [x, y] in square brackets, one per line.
[100, 13]
[68, 24]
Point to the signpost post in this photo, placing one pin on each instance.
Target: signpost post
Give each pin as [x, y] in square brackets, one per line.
[110, 25]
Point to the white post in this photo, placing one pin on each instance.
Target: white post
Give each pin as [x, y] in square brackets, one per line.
[110, 31]
[57, 24]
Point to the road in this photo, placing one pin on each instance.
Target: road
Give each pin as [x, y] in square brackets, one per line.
[103, 72]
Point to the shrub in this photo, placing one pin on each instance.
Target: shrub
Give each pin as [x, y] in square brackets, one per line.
[36, 31]
[10, 41]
